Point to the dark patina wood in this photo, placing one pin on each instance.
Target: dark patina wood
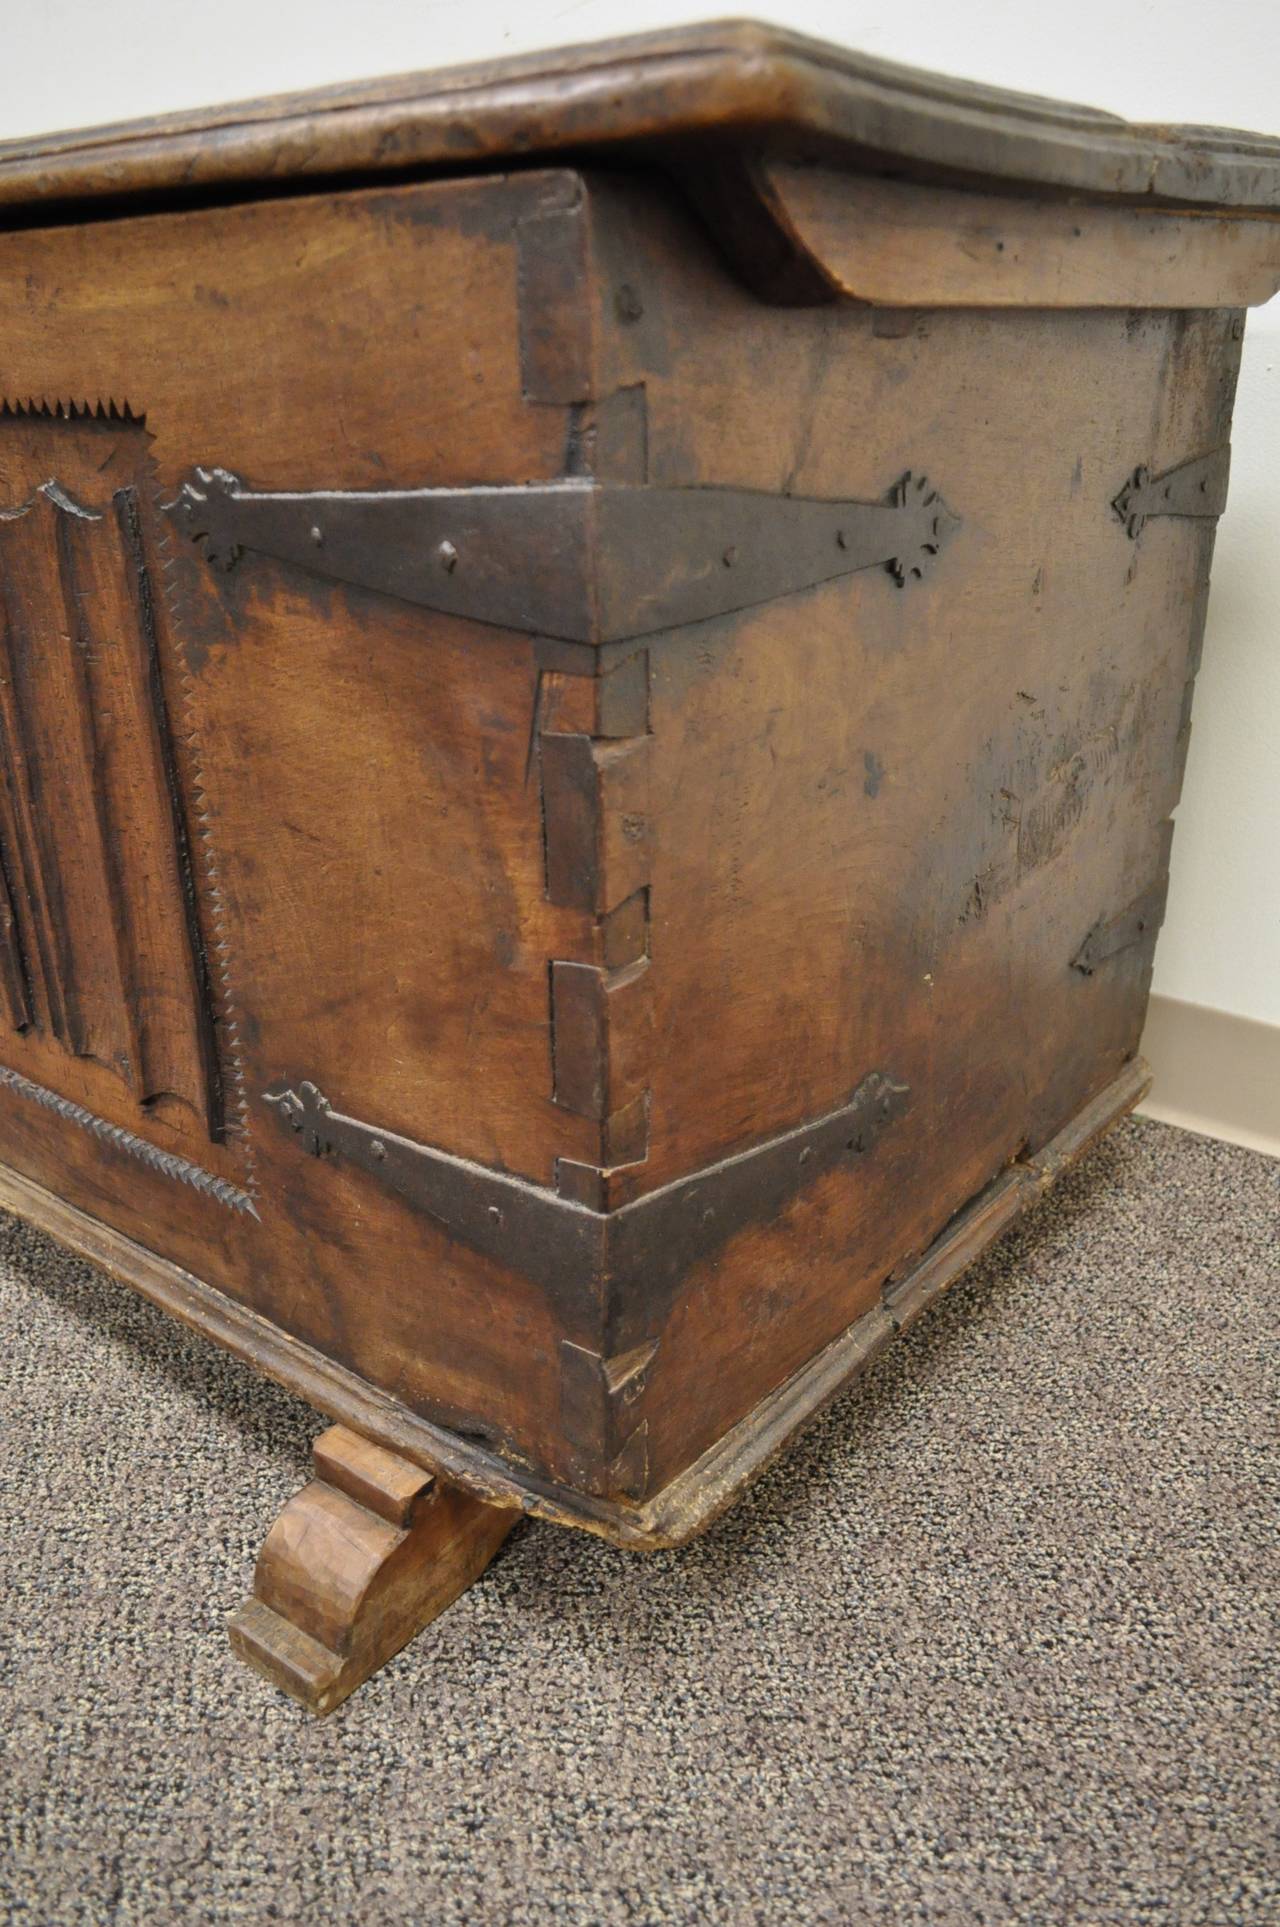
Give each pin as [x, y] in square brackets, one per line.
[554, 889]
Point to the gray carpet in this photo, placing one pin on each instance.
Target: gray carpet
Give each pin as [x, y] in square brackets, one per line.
[994, 1643]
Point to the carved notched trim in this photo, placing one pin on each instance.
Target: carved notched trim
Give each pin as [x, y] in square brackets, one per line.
[204, 856]
[127, 493]
[167, 1163]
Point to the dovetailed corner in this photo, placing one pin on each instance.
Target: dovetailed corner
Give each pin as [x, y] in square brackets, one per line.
[557, 348]
[601, 1400]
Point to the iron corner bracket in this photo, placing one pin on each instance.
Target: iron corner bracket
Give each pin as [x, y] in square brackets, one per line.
[572, 1252]
[576, 559]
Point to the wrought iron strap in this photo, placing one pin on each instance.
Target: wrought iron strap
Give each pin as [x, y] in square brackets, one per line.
[507, 1218]
[1196, 488]
[565, 1247]
[577, 559]
[657, 1240]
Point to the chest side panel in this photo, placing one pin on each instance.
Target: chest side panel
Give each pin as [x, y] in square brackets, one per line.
[919, 829]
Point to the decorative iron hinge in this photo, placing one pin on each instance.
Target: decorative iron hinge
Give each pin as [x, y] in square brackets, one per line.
[1197, 488]
[580, 560]
[564, 1247]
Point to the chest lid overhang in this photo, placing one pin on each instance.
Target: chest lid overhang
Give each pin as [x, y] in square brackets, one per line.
[667, 97]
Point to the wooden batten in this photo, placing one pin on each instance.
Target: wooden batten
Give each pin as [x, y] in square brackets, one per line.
[906, 244]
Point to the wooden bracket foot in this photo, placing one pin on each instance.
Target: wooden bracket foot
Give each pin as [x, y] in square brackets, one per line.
[362, 1559]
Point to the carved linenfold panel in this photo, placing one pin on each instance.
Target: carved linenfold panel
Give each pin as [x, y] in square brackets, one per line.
[15, 990]
[102, 947]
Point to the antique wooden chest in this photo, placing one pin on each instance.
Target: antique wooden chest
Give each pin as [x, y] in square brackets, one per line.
[595, 659]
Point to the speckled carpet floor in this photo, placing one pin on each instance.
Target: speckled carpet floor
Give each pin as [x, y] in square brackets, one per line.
[996, 1642]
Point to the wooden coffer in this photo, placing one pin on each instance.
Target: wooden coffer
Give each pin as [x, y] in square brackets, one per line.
[595, 659]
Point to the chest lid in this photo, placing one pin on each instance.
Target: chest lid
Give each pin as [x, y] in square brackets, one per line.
[679, 98]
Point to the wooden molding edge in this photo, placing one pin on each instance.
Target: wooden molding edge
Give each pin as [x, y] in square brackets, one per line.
[697, 1496]
[1214, 1073]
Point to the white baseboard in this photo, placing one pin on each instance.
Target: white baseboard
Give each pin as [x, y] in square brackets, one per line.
[1214, 1073]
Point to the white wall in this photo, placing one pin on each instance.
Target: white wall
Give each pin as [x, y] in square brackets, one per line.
[77, 62]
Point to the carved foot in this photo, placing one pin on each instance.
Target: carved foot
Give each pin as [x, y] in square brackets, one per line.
[361, 1560]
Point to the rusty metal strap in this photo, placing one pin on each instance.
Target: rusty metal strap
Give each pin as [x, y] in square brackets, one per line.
[569, 1250]
[577, 559]
[1197, 488]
